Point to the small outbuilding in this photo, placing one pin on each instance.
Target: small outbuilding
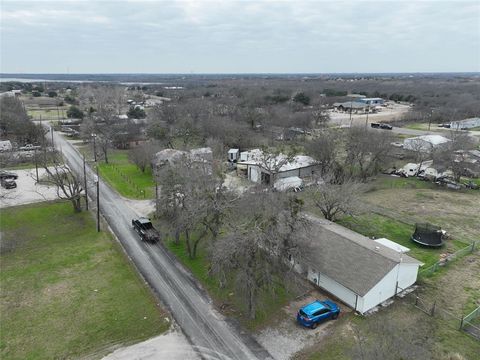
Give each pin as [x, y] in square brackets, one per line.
[425, 143]
[359, 271]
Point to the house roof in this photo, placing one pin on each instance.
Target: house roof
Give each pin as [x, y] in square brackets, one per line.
[256, 157]
[172, 156]
[392, 245]
[351, 259]
[432, 139]
[351, 104]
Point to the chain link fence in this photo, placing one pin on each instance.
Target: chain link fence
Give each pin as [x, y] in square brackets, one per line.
[469, 323]
[451, 257]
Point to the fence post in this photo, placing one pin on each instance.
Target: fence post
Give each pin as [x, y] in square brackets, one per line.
[432, 312]
[461, 323]
[416, 300]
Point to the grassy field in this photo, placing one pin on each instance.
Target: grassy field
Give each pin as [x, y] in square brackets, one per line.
[375, 225]
[424, 126]
[394, 205]
[411, 200]
[48, 114]
[226, 298]
[66, 290]
[126, 177]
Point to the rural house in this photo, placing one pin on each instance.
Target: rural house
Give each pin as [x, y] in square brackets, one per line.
[172, 157]
[263, 168]
[360, 272]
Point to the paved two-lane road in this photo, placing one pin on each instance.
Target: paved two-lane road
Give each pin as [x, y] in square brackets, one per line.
[211, 335]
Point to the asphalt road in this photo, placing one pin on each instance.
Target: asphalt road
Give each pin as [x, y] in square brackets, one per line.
[212, 336]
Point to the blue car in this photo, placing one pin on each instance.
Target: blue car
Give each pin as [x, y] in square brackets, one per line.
[310, 315]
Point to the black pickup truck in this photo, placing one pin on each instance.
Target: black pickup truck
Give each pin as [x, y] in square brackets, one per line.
[145, 229]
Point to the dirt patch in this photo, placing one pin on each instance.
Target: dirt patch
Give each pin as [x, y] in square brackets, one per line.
[393, 112]
[59, 289]
[236, 183]
[141, 207]
[287, 337]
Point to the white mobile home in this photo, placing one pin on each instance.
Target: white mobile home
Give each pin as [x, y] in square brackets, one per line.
[359, 271]
[465, 124]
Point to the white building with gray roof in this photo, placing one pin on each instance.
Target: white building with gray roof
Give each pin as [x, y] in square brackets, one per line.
[360, 272]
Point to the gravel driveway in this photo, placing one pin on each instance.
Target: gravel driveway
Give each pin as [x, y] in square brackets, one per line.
[288, 337]
[27, 191]
[171, 346]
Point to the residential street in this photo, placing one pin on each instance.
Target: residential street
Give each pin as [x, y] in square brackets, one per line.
[211, 335]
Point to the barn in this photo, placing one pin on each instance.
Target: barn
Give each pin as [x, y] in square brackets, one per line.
[360, 272]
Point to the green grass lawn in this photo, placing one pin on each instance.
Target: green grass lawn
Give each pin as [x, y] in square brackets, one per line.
[126, 177]
[392, 182]
[424, 126]
[269, 303]
[66, 290]
[48, 114]
[376, 225]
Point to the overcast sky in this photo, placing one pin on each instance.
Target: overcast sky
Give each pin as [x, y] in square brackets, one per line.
[239, 37]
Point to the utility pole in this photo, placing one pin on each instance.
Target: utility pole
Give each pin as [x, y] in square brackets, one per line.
[97, 180]
[430, 119]
[36, 163]
[366, 121]
[51, 130]
[351, 113]
[85, 183]
[94, 136]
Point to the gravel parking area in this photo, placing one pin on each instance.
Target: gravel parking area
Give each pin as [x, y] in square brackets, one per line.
[27, 191]
[172, 345]
[288, 337]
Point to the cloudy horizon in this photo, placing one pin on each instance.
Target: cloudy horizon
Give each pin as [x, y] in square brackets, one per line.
[239, 37]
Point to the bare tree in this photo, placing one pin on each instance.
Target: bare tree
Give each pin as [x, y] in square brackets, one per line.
[193, 200]
[68, 187]
[334, 200]
[272, 160]
[142, 154]
[420, 153]
[324, 148]
[366, 151]
[452, 155]
[262, 234]
[320, 117]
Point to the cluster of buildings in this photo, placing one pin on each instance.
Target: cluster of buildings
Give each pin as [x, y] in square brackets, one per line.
[264, 168]
[360, 272]
[360, 105]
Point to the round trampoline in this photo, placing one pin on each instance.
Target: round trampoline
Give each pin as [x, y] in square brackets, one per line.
[428, 235]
